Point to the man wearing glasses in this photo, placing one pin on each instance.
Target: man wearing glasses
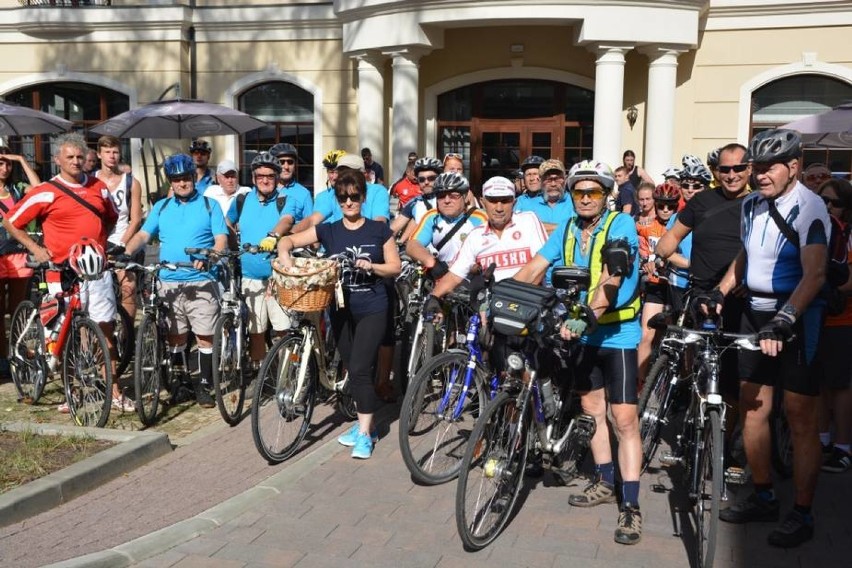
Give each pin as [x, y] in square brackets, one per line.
[426, 171]
[298, 196]
[814, 175]
[552, 206]
[201, 150]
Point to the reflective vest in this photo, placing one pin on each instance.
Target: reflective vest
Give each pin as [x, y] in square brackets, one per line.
[613, 314]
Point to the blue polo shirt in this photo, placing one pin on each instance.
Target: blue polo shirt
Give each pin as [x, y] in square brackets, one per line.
[376, 205]
[206, 181]
[299, 201]
[621, 335]
[679, 277]
[560, 211]
[261, 217]
[182, 224]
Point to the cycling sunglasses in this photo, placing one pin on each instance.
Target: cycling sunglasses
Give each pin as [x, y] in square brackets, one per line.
[344, 197]
[737, 168]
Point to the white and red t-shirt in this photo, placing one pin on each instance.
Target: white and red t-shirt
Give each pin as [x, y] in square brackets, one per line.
[63, 220]
[516, 246]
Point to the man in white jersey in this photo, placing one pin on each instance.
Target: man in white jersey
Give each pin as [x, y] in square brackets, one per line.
[227, 186]
[785, 231]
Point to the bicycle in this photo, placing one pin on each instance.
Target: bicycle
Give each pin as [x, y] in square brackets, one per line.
[52, 329]
[699, 447]
[124, 337]
[527, 411]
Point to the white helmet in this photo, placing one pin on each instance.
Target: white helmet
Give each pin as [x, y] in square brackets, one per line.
[593, 170]
[672, 172]
[690, 161]
[87, 259]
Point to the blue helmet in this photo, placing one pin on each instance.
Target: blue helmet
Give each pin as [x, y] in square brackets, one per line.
[178, 165]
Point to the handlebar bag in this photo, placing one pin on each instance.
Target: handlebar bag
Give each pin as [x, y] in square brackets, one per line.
[517, 307]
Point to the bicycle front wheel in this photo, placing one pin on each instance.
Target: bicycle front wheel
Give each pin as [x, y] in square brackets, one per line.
[123, 339]
[653, 407]
[709, 495]
[422, 348]
[149, 369]
[229, 360]
[27, 355]
[87, 373]
[281, 416]
[491, 473]
[437, 417]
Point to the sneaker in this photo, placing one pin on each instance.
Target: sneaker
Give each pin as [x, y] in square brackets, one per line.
[350, 437]
[838, 462]
[203, 398]
[629, 529]
[795, 530]
[363, 447]
[123, 404]
[753, 509]
[64, 408]
[827, 450]
[593, 494]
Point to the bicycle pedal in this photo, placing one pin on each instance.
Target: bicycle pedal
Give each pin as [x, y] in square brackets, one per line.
[667, 458]
[735, 476]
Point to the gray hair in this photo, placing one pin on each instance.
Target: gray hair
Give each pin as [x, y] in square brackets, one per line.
[69, 139]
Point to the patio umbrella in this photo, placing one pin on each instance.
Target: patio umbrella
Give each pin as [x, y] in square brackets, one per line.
[16, 120]
[830, 129]
[178, 118]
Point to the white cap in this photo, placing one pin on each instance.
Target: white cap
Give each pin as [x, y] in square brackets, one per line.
[498, 186]
[226, 166]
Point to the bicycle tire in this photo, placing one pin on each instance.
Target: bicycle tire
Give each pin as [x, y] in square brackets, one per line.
[228, 383]
[710, 477]
[123, 339]
[87, 373]
[278, 424]
[432, 448]
[422, 348]
[345, 403]
[782, 439]
[653, 407]
[27, 355]
[149, 369]
[495, 458]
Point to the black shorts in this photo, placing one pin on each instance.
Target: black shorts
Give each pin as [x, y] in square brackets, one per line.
[833, 363]
[617, 370]
[789, 370]
[657, 293]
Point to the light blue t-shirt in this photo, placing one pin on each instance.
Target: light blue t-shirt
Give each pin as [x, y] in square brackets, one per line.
[300, 204]
[621, 335]
[182, 224]
[554, 215]
[206, 181]
[259, 217]
[376, 205]
[679, 277]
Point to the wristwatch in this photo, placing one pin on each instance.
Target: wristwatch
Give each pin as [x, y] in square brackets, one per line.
[789, 310]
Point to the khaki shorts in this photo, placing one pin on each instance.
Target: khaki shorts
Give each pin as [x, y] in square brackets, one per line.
[263, 308]
[193, 305]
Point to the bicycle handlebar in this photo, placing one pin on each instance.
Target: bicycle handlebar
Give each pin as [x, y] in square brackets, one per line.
[747, 341]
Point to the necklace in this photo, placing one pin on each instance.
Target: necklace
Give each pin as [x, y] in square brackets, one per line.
[586, 235]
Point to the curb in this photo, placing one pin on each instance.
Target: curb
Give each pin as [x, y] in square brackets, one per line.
[132, 450]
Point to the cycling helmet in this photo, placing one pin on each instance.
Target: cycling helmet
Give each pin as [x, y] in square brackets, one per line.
[283, 149]
[699, 172]
[178, 165]
[775, 145]
[713, 158]
[531, 162]
[689, 160]
[668, 191]
[451, 181]
[266, 160]
[672, 172]
[428, 164]
[87, 259]
[200, 146]
[329, 162]
[591, 169]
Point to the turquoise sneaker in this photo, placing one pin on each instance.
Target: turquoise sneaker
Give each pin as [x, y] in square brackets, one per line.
[363, 447]
[349, 438]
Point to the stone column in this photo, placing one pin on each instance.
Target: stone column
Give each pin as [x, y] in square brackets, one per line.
[371, 105]
[659, 123]
[406, 108]
[609, 100]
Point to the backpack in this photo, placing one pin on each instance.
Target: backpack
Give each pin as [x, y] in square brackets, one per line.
[280, 201]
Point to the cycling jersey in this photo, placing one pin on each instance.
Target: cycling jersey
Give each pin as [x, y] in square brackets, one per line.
[679, 277]
[434, 226]
[405, 190]
[299, 199]
[261, 217]
[519, 242]
[649, 236]
[377, 204]
[418, 207]
[208, 179]
[547, 213]
[773, 264]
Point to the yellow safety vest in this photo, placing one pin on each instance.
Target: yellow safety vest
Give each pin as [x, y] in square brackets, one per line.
[613, 314]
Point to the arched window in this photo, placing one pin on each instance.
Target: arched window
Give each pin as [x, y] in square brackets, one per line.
[791, 98]
[83, 104]
[289, 111]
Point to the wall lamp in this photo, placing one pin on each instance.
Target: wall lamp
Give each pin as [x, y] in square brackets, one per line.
[632, 115]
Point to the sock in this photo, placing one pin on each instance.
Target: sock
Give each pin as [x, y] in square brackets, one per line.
[205, 366]
[844, 447]
[606, 472]
[806, 513]
[630, 492]
[825, 438]
[764, 491]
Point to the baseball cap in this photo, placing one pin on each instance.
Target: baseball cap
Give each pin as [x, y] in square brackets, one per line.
[226, 166]
[351, 161]
[551, 166]
[498, 186]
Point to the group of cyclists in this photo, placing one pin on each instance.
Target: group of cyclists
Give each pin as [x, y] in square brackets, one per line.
[740, 235]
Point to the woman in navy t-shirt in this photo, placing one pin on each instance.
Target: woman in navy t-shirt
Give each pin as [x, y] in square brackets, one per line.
[367, 253]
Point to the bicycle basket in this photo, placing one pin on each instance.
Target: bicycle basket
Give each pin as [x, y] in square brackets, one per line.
[308, 286]
[516, 308]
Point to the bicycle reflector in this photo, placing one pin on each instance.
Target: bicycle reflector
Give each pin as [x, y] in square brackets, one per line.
[515, 361]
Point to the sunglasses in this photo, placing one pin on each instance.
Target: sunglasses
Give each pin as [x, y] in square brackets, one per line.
[265, 176]
[553, 179]
[665, 205]
[737, 168]
[833, 202]
[426, 179]
[453, 155]
[695, 185]
[454, 195]
[503, 200]
[286, 161]
[593, 194]
[344, 197]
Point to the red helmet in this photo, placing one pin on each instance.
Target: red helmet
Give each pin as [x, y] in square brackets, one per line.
[667, 191]
[87, 259]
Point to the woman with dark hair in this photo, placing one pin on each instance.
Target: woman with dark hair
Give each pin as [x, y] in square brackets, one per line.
[368, 254]
[14, 275]
[636, 174]
[833, 357]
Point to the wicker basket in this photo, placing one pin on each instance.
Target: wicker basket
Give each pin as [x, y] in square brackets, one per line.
[308, 286]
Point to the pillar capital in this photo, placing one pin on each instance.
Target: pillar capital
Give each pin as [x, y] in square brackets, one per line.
[612, 53]
[403, 55]
[370, 58]
[662, 54]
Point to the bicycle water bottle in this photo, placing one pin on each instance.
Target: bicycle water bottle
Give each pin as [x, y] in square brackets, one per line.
[547, 400]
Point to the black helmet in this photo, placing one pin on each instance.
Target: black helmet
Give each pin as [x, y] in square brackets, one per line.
[531, 162]
[266, 160]
[283, 149]
[200, 146]
[428, 164]
[775, 145]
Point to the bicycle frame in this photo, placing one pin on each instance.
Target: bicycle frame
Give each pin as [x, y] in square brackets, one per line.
[68, 308]
[475, 358]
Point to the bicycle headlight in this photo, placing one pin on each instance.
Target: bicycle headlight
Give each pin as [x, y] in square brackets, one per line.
[515, 361]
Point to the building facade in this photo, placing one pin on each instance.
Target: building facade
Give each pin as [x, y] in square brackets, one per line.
[493, 81]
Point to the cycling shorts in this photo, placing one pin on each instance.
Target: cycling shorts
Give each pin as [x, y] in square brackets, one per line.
[617, 370]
